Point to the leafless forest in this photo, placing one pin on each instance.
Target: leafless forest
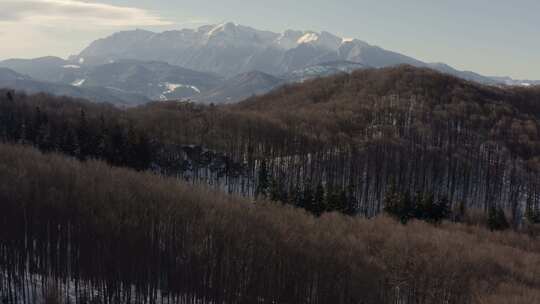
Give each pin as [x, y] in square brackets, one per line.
[278, 199]
[96, 234]
[474, 145]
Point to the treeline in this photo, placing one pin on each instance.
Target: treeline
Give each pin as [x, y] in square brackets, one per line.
[89, 233]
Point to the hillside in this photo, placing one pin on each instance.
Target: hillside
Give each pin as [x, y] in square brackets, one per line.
[174, 242]
[348, 137]
[9, 79]
[430, 132]
[240, 87]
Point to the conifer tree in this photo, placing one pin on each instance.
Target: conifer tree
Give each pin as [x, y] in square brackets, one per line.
[441, 210]
[397, 204]
[461, 212]
[350, 208]
[83, 139]
[319, 198]
[497, 219]
[275, 191]
[531, 213]
[262, 181]
[308, 200]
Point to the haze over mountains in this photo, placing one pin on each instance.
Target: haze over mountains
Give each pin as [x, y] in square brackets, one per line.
[214, 63]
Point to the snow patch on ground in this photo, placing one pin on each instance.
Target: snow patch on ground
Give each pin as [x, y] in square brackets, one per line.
[171, 87]
[78, 82]
[71, 66]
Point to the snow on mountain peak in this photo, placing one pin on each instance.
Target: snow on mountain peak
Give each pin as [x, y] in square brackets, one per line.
[323, 39]
[288, 39]
[233, 34]
[308, 37]
[227, 27]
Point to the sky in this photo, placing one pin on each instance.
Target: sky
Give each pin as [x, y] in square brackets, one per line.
[491, 37]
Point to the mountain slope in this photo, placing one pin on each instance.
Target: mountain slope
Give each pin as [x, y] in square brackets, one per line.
[229, 49]
[50, 69]
[15, 81]
[240, 87]
[156, 80]
[323, 70]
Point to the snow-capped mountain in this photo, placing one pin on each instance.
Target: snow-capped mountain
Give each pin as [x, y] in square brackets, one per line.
[230, 49]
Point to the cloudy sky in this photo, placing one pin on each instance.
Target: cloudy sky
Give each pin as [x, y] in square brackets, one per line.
[493, 37]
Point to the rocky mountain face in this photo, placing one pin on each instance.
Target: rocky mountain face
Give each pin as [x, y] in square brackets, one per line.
[229, 49]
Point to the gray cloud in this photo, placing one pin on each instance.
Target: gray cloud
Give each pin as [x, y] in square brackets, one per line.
[53, 12]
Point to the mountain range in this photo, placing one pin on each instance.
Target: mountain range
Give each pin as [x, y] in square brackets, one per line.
[214, 63]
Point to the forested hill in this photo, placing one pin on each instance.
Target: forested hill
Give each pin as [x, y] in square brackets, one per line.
[408, 97]
[328, 144]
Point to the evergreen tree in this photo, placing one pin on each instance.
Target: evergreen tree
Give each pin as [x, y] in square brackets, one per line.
[69, 142]
[332, 202]
[497, 219]
[308, 200]
[116, 153]
[503, 222]
[262, 181]
[407, 211]
[319, 200]
[83, 137]
[350, 208]
[425, 207]
[441, 210]
[342, 200]
[461, 212]
[44, 138]
[531, 213]
[275, 190]
[396, 204]
[101, 139]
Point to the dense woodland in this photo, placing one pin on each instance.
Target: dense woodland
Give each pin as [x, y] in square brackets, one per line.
[324, 145]
[85, 232]
[133, 205]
